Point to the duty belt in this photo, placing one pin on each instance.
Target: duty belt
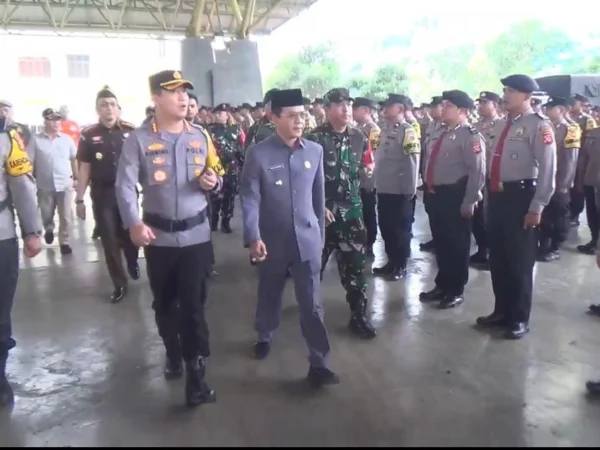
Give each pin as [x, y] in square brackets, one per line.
[174, 226]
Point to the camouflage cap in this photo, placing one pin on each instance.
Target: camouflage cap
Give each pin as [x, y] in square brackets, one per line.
[337, 95]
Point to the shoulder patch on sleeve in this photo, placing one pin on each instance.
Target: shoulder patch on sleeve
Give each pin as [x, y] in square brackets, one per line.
[410, 143]
[590, 124]
[573, 137]
[212, 160]
[476, 140]
[18, 162]
[374, 137]
[547, 134]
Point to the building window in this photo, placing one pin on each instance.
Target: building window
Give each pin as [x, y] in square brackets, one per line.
[78, 66]
[35, 67]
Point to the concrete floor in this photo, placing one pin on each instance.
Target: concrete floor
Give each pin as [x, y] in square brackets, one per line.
[88, 373]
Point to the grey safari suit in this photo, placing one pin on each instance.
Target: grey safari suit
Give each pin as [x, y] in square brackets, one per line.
[283, 200]
[16, 193]
[168, 166]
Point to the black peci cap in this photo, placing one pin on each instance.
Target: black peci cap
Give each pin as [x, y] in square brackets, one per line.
[286, 97]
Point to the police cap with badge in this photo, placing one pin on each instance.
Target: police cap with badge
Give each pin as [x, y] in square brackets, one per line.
[169, 80]
[396, 99]
[489, 96]
[222, 107]
[458, 98]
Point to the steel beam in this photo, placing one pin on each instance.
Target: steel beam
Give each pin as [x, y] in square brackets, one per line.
[265, 15]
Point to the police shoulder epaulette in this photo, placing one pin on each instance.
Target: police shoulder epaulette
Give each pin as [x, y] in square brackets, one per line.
[472, 129]
[127, 124]
[88, 128]
[541, 116]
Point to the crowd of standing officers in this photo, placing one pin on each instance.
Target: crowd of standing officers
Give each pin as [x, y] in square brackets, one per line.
[315, 179]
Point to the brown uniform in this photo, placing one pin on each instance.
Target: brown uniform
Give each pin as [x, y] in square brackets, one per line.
[101, 147]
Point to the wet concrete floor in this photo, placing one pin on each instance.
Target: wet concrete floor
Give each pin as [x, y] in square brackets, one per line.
[88, 373]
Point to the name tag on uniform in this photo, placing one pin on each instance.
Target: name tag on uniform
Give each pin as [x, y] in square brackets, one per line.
[279, 166]
[279, 183]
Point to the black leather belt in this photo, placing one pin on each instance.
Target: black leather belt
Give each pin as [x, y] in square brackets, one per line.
[174, 226]
[515, 185]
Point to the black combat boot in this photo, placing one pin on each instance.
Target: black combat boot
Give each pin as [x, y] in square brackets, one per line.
[386, 270]
[479, 258]
[6, 393]
[360, 325]
[225, 227]
[588, 249]
[197, 391]
[174, 360]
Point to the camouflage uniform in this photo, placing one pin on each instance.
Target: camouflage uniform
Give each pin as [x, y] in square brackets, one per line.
[258, 132]
[229, 142]
[343, 155]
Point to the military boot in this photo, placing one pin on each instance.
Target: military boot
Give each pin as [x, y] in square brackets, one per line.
[173, 360]
[197, 391]
[225, 227]
[6, 393]
[360, 325]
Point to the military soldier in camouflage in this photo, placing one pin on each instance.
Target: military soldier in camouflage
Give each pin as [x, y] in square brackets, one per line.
[554, 226]
[17, 192]
[311, 124]
[264, 127]
[362, 111]
[346, 153]
[229, 142]
[318, 111]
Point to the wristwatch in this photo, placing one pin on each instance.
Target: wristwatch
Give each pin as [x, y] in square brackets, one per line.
[78, 202]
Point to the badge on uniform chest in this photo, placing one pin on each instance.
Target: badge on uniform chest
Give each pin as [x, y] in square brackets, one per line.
[99, 156]
[307, 164]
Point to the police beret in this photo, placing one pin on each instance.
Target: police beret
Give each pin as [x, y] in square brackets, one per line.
[226, 107]
[51, 114]
[581, 98]
[259, 105]
[337, 95]
[246, 106]
[268, 97]
[436, 100]
[105, 92]
[318, 101]
[556, 101]
[169, 80]
[363, 101]
[520, 83]
[459, 98]
[394, 99]
[286, 97]
[487, 95]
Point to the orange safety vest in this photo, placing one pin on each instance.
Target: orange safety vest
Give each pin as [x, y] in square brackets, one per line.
[70, 128]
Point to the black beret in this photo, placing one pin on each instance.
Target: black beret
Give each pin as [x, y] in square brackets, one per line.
[268, 97]
[487, 95]
[246, 106]
[581, 98]
[436, 100]
[51, 114]
[521, 83]
[459, 98]
[259, 105]
[394, 99]
[105, 92]
[305, 101]
[318, 101]
[203, 107]
[556, 101]
[363, 101]
[337, 95]
[286, 97]
[226, 107]
[169, 80]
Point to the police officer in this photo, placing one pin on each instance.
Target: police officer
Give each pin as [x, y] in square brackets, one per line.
[431, 134]
[98, 153]
[555, 217]
[7, 122]
[362, 111]
[396, 174]
[263, 127]
[487, 107]
[17, 192]
[229, 142]
[285, 173]
[176, 165]
[347, 154]
[521, 179]
[589, 168]
[455, 175]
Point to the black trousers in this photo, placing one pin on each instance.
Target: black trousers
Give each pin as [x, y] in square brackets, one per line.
[554, 226]
[369, 201]
[479, 232]
[513, 251]
[9, 274]
[178, 279]
[576, 204]
[395, 222]
[114, 238]
[591, 211]
[452, 236]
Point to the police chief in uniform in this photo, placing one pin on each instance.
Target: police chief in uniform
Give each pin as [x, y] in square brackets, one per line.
[176, 164]
[554, 226]
[396, 175]
[454, 176]
[17, 192]
[284, 174]
[347, 156]
[98, 154]
[521, 180]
